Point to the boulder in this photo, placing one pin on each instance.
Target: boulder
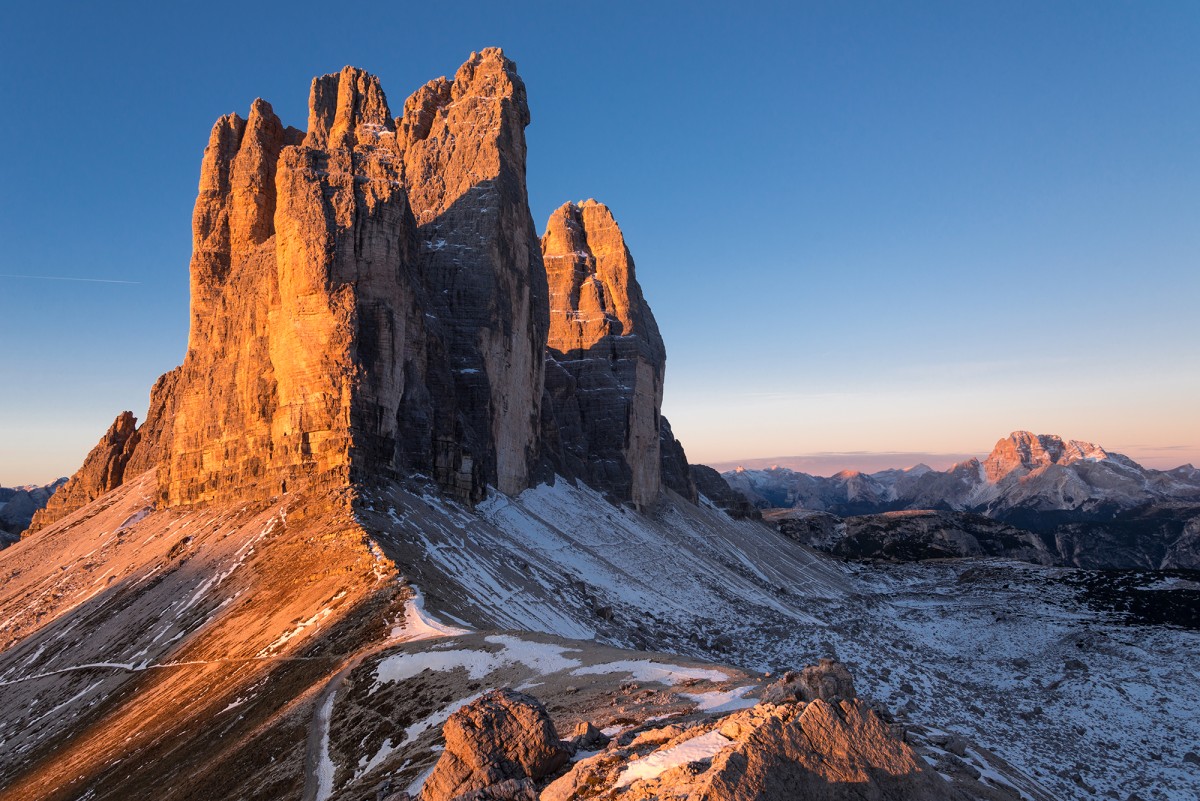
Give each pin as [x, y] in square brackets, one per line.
[495, 746]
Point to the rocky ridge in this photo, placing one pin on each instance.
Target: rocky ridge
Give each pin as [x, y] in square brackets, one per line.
[103, 470]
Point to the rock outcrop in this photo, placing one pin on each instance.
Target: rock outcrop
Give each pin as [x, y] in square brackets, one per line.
[18, 505]
[828, 680]
[711, 485]
[808, 738]
[912, 536]
[496, 747]
[605, 357]
[676, 472]
[103, 470]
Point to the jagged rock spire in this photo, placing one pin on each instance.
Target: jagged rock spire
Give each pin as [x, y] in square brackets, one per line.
[369, 301]
[103, 470]
[605, 356]
[346, 109]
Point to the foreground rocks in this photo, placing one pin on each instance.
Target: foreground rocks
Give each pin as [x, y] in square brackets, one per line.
[818, 750]
[808, 738]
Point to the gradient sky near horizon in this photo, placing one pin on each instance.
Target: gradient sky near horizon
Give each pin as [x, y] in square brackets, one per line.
[863, 227]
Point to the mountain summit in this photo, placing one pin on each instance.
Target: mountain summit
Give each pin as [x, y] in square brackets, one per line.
[1024, 451]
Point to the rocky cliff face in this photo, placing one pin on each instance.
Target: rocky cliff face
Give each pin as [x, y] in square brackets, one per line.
[464, 153]
[368, 300]
[605, 357]
[395, 314]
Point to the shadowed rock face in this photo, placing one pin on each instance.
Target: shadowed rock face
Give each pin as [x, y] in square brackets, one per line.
[677, 474]
[606, 380]
[464, 156]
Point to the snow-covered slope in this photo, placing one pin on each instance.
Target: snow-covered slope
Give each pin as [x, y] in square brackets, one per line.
[138, 648]
[207, 653]
[1007, 654]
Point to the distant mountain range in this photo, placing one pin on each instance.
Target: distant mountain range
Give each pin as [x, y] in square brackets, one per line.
[1086, 506]
[18, 505]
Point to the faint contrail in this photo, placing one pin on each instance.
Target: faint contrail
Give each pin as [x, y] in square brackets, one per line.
[67, 278]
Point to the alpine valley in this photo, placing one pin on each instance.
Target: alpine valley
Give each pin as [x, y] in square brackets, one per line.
[407, 522]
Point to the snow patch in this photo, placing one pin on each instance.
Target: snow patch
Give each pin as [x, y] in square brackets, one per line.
[420, 625]
[722, 700]
[542, 658]
[645, 670]
[706, 746]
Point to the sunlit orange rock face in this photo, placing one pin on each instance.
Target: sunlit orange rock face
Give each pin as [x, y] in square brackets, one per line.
[368, 297]
[605, 356]
[369, 300]
[1022, 452]
[336, 334]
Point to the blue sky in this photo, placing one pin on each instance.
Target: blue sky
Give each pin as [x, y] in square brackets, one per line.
[862, 226]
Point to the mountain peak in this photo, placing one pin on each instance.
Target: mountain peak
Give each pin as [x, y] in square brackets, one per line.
[347, 108]
[603, 341]
[1025, 451]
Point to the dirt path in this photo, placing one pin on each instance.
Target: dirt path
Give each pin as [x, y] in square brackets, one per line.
[319, 768]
